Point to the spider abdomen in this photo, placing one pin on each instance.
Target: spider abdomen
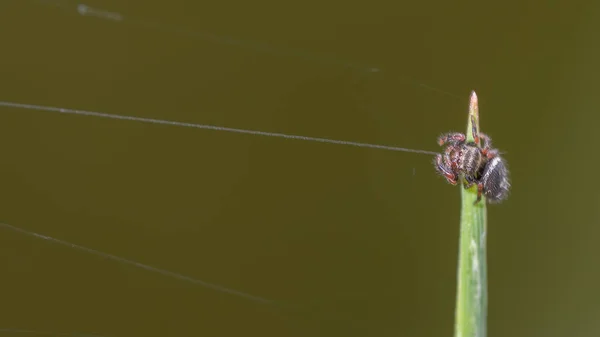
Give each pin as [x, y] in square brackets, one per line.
[495, 180]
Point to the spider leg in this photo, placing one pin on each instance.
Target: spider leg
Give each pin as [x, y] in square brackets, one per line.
[486, 146]
[474, 130]
[452, 138]
[479, 192]
[453, 164]
[490, 153]
[483, 141]
[487, 141]
[444, 170]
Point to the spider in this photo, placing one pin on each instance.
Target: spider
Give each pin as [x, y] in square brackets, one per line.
[478, 163]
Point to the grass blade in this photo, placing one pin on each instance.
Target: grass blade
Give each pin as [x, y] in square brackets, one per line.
[471, 298]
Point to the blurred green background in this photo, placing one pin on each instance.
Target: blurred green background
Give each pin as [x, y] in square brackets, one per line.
[347, 241]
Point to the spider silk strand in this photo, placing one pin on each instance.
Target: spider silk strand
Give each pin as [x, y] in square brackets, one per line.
[207, 127]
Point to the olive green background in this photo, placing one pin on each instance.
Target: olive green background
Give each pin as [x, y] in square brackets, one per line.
[346, 241]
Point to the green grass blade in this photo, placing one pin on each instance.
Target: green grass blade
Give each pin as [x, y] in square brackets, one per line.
[471, 298]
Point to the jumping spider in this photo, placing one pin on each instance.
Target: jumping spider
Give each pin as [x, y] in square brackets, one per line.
[479, 164]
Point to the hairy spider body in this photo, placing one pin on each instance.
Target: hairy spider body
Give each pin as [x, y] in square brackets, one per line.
[478, 164]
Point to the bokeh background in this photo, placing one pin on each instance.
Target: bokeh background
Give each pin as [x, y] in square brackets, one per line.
[342, 241]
